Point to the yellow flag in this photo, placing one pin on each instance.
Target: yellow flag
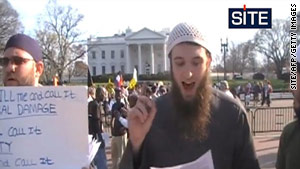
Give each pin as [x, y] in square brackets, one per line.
[133, 81]
[110, 86]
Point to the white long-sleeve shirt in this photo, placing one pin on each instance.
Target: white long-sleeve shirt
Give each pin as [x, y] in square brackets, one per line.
[123, 121]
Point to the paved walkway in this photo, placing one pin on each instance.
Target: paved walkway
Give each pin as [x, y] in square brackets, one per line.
[266, 144]
[266, 147]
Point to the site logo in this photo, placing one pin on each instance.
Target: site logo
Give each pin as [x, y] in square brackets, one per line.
[250, 18]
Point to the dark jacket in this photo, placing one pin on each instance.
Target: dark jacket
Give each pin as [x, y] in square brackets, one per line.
[117, 129]
[95, 123]
[289, 147]
[229, 139]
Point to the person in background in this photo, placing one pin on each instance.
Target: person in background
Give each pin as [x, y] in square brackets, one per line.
[118, 130]
[95, 111]
[148, 92]
[132, 98]
[266, 92]
[162, 90]
[91, 93]
[289, 146]
[256, 91]
[154, 92]
[224, 87]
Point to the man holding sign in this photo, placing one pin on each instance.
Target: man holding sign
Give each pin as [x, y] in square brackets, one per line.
[22, 62]
[35, 122]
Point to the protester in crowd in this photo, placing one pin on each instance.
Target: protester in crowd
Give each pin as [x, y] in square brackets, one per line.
[247, 92]
[238, 91]
[256, 91]
[91, 93]
[22, 61]
[192, 120]
[288, 152]
[224, 87]
[132, 99]
[162, 90]
[118, 131]
[118, 114]
[154, 92]
[95, 111]
[266, 91]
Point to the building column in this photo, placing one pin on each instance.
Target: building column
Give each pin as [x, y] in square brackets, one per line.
[140, 59]
[128, 69]
[152, 59]
[165, 57]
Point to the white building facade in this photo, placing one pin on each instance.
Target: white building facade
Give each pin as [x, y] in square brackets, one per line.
[144, 50]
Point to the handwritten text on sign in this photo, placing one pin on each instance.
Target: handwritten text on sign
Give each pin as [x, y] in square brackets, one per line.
[43, 127]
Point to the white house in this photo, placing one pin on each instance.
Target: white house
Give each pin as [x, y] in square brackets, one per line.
[144, 50]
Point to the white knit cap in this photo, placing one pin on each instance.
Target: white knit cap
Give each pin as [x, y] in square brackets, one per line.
[185, 32]
[224, 84]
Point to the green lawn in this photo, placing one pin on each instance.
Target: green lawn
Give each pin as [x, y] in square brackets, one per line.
[277, 84]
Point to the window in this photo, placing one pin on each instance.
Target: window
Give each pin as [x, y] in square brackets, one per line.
[147, 68]
[122, 68]
[122, 53]
[103, 70]
[112, 54]
[159, 68]
[94, 54]
[112, 69]
[103, 54]
[94, 71]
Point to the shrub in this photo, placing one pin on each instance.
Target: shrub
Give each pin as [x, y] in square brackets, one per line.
[285, 77]
[165, 76]
[258, 76]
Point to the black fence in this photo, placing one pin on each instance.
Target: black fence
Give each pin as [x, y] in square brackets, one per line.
[269, 119]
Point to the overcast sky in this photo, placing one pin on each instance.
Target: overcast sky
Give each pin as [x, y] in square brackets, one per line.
[107, 17]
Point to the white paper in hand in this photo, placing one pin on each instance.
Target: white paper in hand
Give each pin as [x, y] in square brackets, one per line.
[93, 148]
[203, 162]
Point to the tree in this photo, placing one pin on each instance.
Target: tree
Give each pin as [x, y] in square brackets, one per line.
[274, 44]
[241, 57]
[219, 67]
[9, 22]
[58, 37]
[233, 59]
[248, 56]
[71, 71]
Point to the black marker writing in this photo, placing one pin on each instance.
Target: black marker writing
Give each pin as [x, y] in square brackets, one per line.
[4, 110]
[5, 147]
[21, 162]
[6, 96]
[36, 108]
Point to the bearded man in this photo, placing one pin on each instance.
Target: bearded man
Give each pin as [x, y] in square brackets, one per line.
[22, 63]
[193, 120]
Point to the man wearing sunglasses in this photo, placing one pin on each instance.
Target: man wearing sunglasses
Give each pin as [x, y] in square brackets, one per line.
[22, 63]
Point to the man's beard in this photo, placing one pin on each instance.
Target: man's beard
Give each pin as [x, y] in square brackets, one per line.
[193, 116]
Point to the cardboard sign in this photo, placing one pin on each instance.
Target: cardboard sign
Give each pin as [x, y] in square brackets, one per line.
[43, 127]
